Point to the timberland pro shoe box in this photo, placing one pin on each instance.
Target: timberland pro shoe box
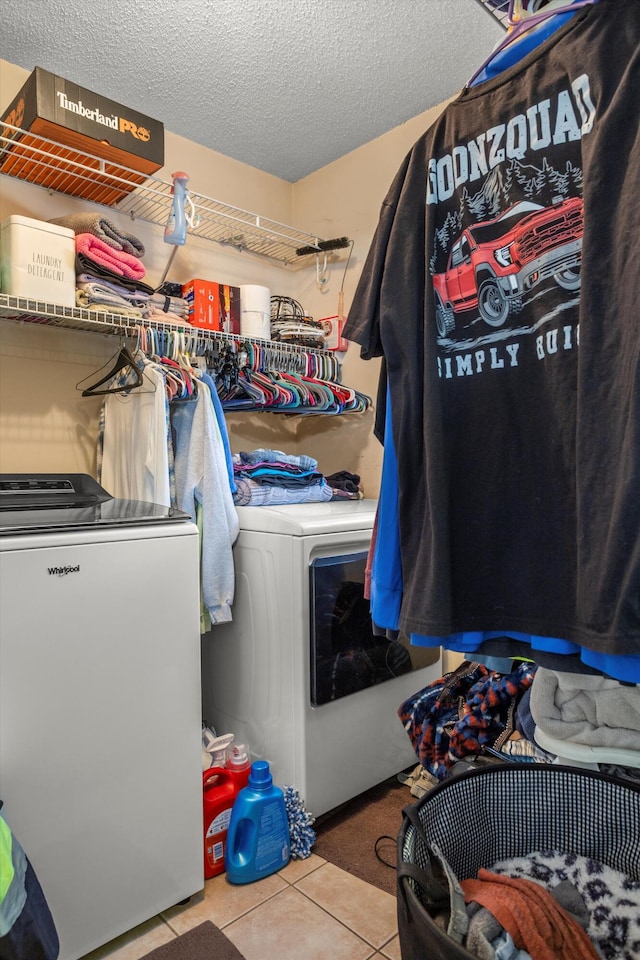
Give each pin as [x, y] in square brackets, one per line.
[121, 140]
[38, 261]
[213, 306]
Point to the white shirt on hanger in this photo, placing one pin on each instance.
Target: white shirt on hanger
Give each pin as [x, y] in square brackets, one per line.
[135, 459]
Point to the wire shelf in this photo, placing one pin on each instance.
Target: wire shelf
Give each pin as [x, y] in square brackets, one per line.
[274, 354]
[61, 169]
[28, 310]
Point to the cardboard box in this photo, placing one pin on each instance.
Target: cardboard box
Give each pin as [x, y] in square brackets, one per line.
[38, 261]
[49, 106]
[213, 306]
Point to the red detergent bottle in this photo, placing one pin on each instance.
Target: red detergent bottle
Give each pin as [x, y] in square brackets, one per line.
[219, 790]
[237, 762]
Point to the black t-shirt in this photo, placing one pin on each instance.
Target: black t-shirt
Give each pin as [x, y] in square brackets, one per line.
[502, 288]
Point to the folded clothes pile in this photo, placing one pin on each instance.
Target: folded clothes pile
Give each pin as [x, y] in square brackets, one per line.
[162, 307]
[345, 485]
[104, 230]
[92, 293]
[108, 258]
[110, 272]
[272, 477]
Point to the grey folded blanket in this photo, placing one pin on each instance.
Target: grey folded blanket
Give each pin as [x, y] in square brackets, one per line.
[594, 711]
[102, 228]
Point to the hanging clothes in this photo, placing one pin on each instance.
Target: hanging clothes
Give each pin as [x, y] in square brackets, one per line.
[202, 479]
[513, 395]
[222, 425]
[135, 454]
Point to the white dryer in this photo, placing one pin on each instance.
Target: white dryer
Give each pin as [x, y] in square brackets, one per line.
[298, 674]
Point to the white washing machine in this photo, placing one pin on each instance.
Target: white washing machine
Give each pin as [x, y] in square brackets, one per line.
[100, 742]
[298, 674]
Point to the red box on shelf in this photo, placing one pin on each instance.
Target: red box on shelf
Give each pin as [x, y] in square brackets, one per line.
[213, 306]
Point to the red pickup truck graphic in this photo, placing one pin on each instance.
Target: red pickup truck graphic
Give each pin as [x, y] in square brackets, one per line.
[493, 264]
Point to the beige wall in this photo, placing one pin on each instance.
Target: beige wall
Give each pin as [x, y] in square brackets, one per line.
[344, 199]
[46, 425]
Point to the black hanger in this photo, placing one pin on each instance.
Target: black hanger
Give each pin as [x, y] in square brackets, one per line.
[124, 361]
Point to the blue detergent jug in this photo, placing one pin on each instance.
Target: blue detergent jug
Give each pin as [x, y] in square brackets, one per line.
[258, 841]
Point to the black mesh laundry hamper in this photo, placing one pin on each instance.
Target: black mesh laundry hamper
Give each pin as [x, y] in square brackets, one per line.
[500, 812]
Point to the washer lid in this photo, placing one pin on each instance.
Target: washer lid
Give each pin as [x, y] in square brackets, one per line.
[31, 502]
[304, 519]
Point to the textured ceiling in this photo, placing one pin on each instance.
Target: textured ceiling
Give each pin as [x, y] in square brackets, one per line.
[286, 86]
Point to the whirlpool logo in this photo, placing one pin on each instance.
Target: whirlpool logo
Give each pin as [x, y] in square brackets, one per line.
[62, 571]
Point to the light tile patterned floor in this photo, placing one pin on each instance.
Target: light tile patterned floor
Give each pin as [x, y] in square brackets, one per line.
[311, 909]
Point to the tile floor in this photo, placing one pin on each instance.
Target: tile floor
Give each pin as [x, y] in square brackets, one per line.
[311, 909]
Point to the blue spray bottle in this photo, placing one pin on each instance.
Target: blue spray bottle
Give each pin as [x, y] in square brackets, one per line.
[176, 229]
[258, 841]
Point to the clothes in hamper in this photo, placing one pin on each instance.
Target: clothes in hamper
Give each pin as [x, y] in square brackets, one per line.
[532, 916]
[612, 899]
[513, 400]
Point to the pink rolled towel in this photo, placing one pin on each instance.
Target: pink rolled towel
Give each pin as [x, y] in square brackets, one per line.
[124, 264]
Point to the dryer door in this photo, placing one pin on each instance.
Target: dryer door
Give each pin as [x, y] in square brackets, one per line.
[346, 655]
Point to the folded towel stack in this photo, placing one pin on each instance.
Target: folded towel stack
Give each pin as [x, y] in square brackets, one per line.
[117, 261]
[109, 268]
[104, 229]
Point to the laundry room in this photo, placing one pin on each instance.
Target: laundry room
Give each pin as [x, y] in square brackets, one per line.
[319, 526]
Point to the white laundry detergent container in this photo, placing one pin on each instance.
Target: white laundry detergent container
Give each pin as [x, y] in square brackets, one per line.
[38, 260]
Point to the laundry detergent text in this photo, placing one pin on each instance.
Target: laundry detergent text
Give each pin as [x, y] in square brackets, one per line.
[568, 116]
[555, 341]
[44, 265]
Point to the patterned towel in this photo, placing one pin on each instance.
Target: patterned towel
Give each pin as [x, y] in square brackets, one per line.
[119, 262]
[104, 230]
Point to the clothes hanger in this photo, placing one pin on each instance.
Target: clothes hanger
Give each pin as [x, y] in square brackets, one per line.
[123, 363]
[521, 20]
